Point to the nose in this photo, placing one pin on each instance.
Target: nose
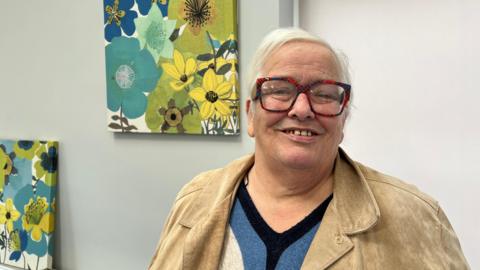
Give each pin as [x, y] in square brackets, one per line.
[301, 108]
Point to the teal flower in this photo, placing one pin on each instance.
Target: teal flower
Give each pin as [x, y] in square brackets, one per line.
[154, 33]
[131, 72]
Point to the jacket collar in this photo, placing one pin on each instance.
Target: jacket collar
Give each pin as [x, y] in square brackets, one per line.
[353, 210]
[353, 201]
[212, 195]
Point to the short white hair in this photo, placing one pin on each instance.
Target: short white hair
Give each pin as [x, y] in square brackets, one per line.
[275, 39]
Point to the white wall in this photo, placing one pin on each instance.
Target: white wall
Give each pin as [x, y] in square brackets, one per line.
[415, 81]
[115, 190]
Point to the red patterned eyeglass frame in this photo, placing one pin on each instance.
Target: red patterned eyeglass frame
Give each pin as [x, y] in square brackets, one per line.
[303, 89]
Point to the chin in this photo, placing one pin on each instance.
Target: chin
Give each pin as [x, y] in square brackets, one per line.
[299, 161]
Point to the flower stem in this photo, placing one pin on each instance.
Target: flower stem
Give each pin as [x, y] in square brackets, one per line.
[234, 128]
[187, 90]
[121, 116]
[206, 126]
[6, 243]
[213, 49]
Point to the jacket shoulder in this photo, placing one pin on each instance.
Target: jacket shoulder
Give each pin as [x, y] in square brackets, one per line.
[396, 188]
[213, 177]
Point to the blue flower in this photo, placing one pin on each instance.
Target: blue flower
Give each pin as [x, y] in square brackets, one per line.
[131, 72]
[145, 5]
[117, 14]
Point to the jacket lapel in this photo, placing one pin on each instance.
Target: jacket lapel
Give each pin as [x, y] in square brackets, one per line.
[353, 210]
[208, 216]
[203, 245]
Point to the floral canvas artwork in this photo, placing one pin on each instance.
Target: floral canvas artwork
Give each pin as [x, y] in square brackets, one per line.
[171, 66]
[28, 180]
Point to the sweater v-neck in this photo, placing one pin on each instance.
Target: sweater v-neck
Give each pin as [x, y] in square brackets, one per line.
[276, 242]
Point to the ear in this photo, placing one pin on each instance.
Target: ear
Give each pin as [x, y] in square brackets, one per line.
[344, 120]
[250, 115]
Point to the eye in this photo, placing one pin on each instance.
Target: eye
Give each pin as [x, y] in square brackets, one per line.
[281, 91]
[326, 93]
[278, 88]
[325, 96]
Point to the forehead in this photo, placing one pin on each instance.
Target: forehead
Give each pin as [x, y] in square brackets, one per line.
[305, 61]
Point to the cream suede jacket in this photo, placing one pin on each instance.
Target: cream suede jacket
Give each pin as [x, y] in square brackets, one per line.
[373, 222]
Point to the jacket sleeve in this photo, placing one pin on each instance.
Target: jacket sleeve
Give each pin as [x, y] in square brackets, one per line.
[453, 255]
[169, 251]
[166, 227]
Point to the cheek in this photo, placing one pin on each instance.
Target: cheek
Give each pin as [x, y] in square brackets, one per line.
[333, 127]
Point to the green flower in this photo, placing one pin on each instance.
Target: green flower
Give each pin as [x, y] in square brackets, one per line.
[154, 33]
[46, 166]
[171, 112]
[26, 149]
[36, 218]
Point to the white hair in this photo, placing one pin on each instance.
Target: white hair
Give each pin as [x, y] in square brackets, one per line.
[275, 39]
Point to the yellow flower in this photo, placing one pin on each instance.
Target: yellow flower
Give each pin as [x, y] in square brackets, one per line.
[182, 71]
[8, 214]
[37, 219]
[213, 93]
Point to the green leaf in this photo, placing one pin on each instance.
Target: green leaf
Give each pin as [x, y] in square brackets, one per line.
[124, 120]
[233, 46]
[114, 126]
[224, 69]
[175, 34]
[202, 72]
[222, 49]
[205, 57]
[130, 128]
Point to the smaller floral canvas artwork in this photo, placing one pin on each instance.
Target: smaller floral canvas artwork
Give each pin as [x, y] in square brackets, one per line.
[28, 181]
[171, 66]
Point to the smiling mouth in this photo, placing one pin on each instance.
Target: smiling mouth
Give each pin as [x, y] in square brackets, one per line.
[300, 132]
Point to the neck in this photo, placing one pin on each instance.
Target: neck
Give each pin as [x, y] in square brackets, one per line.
[283, 196]
[280, 184]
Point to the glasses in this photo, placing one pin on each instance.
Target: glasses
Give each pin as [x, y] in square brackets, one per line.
[326, 97]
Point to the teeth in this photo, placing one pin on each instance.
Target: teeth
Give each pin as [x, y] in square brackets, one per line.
[297, 132]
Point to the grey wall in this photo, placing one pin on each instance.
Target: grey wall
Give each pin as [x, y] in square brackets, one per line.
[115, 190]
[415, 72]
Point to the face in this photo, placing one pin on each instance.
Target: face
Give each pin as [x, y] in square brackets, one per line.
[299, 138]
